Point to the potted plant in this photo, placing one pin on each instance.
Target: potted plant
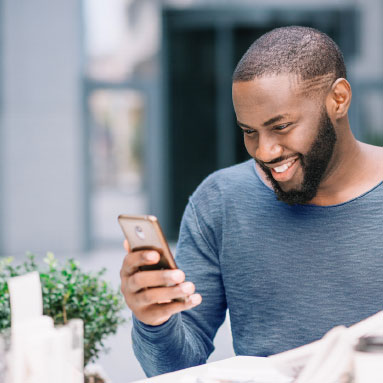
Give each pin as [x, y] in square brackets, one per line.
[68, 293]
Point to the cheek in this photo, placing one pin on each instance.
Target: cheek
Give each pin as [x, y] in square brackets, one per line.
[250, 145]
[304, 142]
[298, 141]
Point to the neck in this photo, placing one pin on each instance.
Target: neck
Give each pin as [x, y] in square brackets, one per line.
[346, 176]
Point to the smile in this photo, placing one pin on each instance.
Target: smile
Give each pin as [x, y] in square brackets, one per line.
[286, 171]
[284, 167]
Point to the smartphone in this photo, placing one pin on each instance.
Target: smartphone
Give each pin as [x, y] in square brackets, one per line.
[143, 232]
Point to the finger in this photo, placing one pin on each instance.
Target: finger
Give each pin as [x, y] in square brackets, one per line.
[160, 313]
[164, 294]
[155, 278]
[135, 259]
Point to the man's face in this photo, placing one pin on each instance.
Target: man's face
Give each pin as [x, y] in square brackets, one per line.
[290, 136]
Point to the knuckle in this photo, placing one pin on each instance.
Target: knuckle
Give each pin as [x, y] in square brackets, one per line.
[123, 288]
[128, 300]
[134, 281]
[145, 256]
[123, 265]
[146, 297]
[133, 302]
[132, 306]
[127, 260]
[186, 288]
[166, 278]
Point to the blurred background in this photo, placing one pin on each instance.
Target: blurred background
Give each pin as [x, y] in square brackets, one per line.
[124, 106]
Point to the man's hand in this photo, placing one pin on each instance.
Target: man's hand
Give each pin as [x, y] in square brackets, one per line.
[150, 294]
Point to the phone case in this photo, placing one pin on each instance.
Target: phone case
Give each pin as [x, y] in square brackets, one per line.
[144, 233]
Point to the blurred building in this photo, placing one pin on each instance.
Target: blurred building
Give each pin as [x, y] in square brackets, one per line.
[124, 106]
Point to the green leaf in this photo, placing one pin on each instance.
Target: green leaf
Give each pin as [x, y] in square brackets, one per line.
[84, 295]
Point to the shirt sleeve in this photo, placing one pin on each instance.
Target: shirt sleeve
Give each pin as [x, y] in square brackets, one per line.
[186, 339]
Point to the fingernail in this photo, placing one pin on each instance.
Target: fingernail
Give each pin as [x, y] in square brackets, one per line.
[195, 299]
[176, 276]
[187, 288]
[152, 256]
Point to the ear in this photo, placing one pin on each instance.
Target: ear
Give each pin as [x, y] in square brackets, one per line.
[339, 98]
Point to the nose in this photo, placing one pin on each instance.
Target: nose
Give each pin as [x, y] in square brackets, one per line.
[268, 149]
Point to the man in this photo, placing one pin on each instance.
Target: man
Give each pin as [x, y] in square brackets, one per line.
[291, 243]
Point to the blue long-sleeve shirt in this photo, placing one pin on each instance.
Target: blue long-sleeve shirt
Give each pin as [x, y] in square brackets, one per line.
[287, 274]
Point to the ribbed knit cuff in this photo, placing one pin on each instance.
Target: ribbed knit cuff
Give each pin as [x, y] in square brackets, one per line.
[162, 329]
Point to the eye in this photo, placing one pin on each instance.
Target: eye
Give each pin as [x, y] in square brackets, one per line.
[282, 127]
[248, 132]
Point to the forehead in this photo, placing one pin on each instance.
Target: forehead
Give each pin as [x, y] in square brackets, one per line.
[263, 98]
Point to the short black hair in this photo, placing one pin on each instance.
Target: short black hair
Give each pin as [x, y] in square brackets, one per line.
[306, 52]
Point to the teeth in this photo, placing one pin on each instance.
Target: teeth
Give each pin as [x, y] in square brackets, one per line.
[284, 167]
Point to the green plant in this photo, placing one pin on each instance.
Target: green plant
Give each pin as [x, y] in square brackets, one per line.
[68, 293]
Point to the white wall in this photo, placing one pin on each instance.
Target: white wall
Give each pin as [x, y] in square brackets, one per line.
[370, 62]
[42, 163]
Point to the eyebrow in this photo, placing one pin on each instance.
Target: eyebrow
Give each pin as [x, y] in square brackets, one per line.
[269, 122]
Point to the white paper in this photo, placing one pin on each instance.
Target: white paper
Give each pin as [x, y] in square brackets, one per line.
[332, 361]
[260, 375]
[26, 297]
[330, 358]
[292, 362]
[223, 375]
[372, 325]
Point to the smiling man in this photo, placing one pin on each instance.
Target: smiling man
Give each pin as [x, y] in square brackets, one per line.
[294, 176]
[299, 88]
[291, 241]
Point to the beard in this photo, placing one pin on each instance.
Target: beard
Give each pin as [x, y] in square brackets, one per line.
[314, 165]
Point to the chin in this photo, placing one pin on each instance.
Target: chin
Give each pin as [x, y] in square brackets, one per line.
[290, 186]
